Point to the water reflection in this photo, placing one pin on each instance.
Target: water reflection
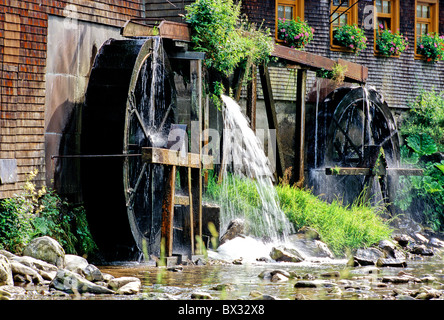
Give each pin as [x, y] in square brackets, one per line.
[229, 281]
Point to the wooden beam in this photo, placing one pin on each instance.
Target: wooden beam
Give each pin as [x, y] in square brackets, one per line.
[252, 98]
[148, 27]
[354, 72]
[168, 210]
[271, 116]
[299, 166]
[174, 158]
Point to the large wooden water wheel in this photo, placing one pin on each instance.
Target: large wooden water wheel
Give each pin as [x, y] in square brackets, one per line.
[130, 105]
[359, 147]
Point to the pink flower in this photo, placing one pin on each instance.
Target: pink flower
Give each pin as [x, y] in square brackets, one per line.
[351, 46]
[352, 37]
[436, 45]
[421, 46]
[296, 37]
[381, 26]
[306, 34]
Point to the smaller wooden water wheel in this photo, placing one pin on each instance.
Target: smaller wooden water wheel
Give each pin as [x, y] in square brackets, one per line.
[361, 153]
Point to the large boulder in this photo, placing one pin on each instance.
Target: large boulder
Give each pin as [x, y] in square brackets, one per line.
[71, 282]
[25, 273]
[117, 283]
[281, 253]
[46, 249]
[5, 272]
[235, 228]
[366, 257]
[45, 269]
[75, 263]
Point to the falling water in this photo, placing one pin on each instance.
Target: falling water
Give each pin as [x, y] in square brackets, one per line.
[245, 159]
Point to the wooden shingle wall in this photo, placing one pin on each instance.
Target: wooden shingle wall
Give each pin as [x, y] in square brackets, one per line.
[398, 79]
[172, 10]
[23, 60]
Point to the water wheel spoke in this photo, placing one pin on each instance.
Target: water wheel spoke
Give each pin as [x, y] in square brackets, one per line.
[347, 137]
[132, 191]
[133, 110]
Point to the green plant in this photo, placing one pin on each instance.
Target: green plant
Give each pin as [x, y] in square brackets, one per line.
[294, 33]
[227, 40]
[423, 194]
[341, 228]
[426, 116]
[351, 37]
[389, 43]
[42, 212]
[431, 45]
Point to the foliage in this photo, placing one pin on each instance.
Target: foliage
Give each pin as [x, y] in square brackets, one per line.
[426, 116]
[351, 37]
[227, 40]
[389, 43]
[341, 228]
[431, 45]
[35, 213]
[295, 33]
[425, 194]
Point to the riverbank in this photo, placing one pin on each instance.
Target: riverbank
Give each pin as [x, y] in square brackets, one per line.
[401, 268]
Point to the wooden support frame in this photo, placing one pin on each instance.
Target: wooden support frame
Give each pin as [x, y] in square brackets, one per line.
[271, 116]
[299, 165]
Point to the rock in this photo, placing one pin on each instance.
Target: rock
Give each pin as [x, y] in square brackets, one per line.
[71, 282]
[46, 249]
[428, 293]
[92, 273]
[403, 240]
[314, 284]
[281, 253]
[277, 277]
[6, 277]
[10, 291]
[309, 233]
[332, 274]
[132, 287]
[45, 269]
[421, 250]
[235, 228]
[365, 257]
[434, 242]
[28, 273]
[117, 283]
[200, 295]
[400, 279]
[223, 287]
[388, 247]
[420, 238]
[311, 248]
[388, 262]
[75, 263]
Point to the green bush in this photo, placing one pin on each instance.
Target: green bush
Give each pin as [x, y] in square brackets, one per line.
[351, 37]
[35, 213]
[426, 116]
[227, 40]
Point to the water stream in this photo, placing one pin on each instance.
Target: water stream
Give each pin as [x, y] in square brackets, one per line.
[244, 158]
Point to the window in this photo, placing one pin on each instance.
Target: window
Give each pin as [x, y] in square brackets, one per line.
[289, 9]
[387, 16]
[342, 12]
[426, 19]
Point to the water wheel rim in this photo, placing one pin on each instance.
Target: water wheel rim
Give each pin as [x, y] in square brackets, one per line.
[144, 231]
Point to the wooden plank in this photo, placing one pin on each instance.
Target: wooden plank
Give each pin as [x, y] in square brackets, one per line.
[173, 157]
[299, 166]
[168, 210]
[348, 171]
[354, 71]
[252, 98]
[166, 29]
[271, 117]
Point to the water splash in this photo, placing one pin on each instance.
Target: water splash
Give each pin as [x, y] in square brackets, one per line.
[245, 160]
